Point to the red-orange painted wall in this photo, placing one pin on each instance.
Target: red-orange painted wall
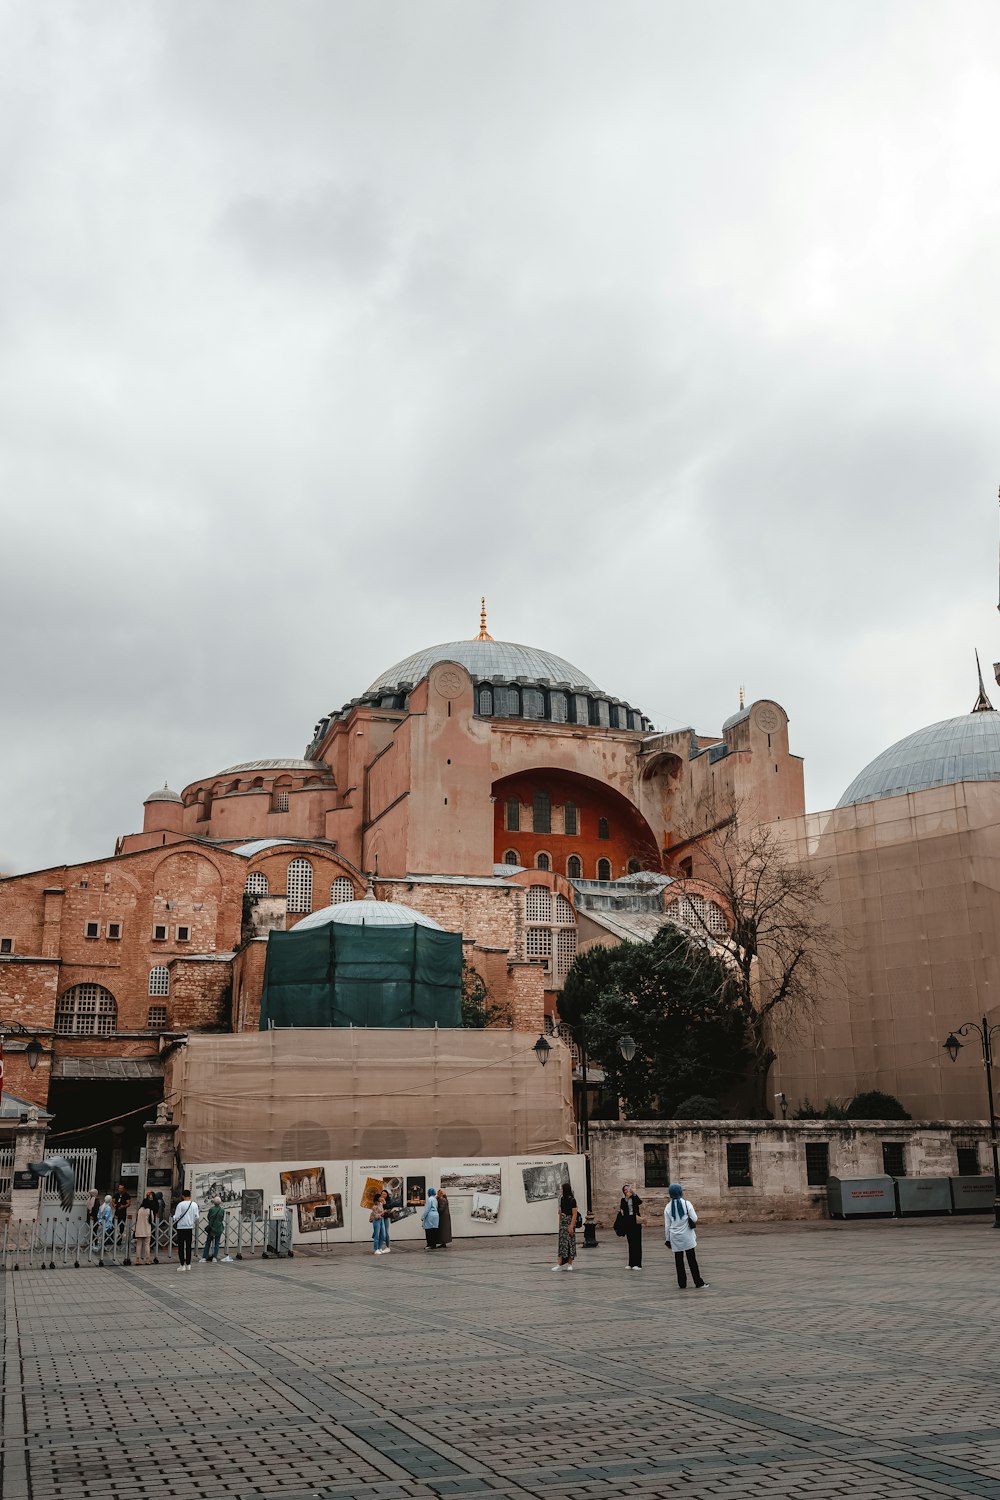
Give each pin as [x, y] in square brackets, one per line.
[629, 836]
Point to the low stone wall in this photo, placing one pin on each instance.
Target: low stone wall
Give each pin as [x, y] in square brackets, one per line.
[696, 1154]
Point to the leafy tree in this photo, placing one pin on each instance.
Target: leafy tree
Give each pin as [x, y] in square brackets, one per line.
[479, 1009]
[677, 999]
[874, 1105]
[830, 1111]
[698, 1107]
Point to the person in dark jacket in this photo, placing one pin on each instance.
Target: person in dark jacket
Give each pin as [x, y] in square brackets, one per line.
[444, 1220]
[215, 1230]
[631, 1212]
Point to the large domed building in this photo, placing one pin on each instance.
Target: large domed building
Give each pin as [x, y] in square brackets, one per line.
[912, 859]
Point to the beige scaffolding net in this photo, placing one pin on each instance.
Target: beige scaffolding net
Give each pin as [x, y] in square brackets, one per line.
[345, 1093]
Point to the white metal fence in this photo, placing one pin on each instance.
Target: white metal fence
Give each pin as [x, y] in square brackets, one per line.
[54, 1243]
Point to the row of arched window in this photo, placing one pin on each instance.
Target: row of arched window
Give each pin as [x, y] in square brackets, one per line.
[550, 933]
[574, 865]
[299, 886]
[512, 701]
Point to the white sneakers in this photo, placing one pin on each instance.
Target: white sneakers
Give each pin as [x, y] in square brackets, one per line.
[567, 1267]
[385, 1250]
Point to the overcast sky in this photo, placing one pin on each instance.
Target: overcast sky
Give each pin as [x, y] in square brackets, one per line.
[672, 328]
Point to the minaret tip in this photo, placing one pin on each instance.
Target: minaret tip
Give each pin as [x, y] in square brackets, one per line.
[484, 634]
[982, 704]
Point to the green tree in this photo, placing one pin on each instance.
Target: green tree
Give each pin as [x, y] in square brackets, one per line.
[676, 997]
[479, 1009]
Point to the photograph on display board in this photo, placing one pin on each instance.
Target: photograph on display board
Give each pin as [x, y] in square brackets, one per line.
[485, 1207]
[324, 1213]
[372, 1188]
[227, 1183]
[252, 1203]
[544, 1181]
[487, 1181]
[394, 1187]
[303, 1184]
[416, 1192]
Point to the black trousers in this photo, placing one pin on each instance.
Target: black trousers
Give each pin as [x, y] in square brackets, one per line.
[633, 1233]
[692, 1261]
[184, 1239]
[432, 1238]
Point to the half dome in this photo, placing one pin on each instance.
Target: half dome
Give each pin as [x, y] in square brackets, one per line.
[962, 749]
[504, 659]
[367, 913]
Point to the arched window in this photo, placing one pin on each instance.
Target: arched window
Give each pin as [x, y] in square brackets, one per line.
[697, 914]
[558, 709]
[574, 867]
[571, 824]
[538, 904]
[341, 890]
[511, 857]
[562, 911]
[513, 808]
[542, 812]
[604, 869]
[551, 930]
[534, 703]
[300, 885]
[485, 697]
[86, 1010]
[256, 884]
[508, 702]
[542, 862]
[603, 831]
[159, 980]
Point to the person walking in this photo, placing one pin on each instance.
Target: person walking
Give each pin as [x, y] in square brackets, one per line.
[120, 1202]
[631, 1212]
[143, 1230]
[444, 1238]
[431, 1219]
[184, 1218]
[679, 1219]
[214, 1231]
[377, 1220]
[105, 1223]
[569, 1217]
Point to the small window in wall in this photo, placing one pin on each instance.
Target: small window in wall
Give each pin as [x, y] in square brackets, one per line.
[114, 931]
[538, 943]
[6, 945]
[634, 867]
[513, 815]
[485, 700]
[570, 821]
[342, 889]
[613, 715]
[574, 867]
[256, 884]
[893, 1159]
[159, 932]
[686, 868]
[603, 831]
[300, 885]
[542, 862]
[156, 1018]
[538, 903]
[968, 1161]
[542, 812]
[558, 708]
[817, 1163]
[655, 1165]
[604, 869]
[533, 700]
[279, 801]
[183, 934]
[565, 950]
[92, 929]
[159, 980]
[511, 857]
[738, 1164]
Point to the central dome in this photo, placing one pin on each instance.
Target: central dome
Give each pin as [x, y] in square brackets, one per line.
[962, 749]
[481, 659]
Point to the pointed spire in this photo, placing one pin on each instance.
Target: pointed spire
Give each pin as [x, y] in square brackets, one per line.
[484, 634]
[982, 704]
[741, 695]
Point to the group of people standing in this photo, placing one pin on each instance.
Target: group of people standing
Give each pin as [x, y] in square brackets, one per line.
[435, 1218]
[679, 1219]
[110, 1221]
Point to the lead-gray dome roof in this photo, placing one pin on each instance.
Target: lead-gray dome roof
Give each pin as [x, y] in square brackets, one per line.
[962, 749]
[367, 913]
[504, 659]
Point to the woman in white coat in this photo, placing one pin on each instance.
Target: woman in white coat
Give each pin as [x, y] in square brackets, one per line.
[679, 1219]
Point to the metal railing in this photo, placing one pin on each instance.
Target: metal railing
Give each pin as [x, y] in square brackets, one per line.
[54, 1244]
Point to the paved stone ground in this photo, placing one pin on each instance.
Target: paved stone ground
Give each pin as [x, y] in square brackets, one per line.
[824, 1360]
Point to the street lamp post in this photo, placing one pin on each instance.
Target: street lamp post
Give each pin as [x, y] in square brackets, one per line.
[626, 1046]
[952, 1046]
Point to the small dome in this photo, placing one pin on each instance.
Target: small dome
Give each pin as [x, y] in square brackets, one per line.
[503, 659]
[367, 913]
[962, 749]
[163, 794]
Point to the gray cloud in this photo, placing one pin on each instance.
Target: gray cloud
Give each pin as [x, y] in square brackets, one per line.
[673, 330]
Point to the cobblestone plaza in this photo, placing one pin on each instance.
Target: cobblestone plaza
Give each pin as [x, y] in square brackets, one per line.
[822, 1360]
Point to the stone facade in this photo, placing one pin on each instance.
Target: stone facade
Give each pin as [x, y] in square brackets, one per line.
[778, 1188]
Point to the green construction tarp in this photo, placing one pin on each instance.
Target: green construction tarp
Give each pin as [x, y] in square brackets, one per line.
[340, 975]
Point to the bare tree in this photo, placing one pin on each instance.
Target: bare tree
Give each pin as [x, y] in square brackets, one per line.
[783, 949]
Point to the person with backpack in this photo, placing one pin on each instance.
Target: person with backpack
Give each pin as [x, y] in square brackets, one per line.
[679, 1219]
[431, 1219]
[184, 1219]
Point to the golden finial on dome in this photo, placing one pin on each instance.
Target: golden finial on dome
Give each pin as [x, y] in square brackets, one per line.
[484, 634]
[741, 695]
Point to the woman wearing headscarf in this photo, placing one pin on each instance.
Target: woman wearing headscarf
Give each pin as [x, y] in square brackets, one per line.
[631, 1212]
[431, 1219]
[679, 1219]
[444, 1220]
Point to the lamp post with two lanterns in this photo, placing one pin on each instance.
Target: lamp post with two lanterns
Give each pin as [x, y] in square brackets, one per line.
[953, 1046]
[542, 1048]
